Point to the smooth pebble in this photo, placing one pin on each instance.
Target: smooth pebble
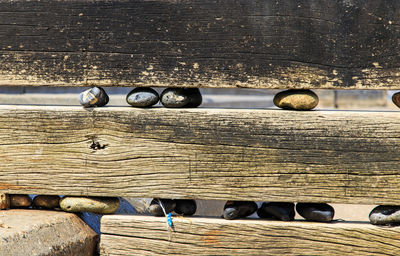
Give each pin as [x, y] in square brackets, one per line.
[20, 201]
[396, 99]
[142, 97]
[277, 211]
[319, 212]
[93, 97]
[46, 201]
[100, 205]
[296, 100]
[239, 209]
[195, 98]
[181, 97]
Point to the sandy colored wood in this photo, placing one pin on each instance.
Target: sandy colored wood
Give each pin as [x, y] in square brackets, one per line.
[144, 235]
[247, 43]
[276, 155]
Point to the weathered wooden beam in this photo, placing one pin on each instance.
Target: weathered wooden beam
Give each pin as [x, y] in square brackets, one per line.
[274, 155]
[144, 235]
[244, 43]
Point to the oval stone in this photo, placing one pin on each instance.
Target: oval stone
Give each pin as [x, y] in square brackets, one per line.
[319, 212]
[174, 98]
[20, 201]
[396, 99]
[142, 97]
[239, 209]
[94, 97]
[46, 201]
[195, 98]
[296, 100]
[277, 211]
[385, 215]
[100, 205]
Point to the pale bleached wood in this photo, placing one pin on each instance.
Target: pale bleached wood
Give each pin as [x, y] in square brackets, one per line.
[145, 235]
[272, 155]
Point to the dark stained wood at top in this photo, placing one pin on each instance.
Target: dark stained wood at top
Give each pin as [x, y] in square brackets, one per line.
[350, 44]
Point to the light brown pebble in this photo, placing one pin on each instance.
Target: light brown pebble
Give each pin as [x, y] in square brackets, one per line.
[20, 201]
[46, 201]
[296, 100]
[396, 99]
[100, 205]
[4, 201]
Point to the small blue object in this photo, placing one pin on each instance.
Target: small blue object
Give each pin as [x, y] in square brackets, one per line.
[170, 220]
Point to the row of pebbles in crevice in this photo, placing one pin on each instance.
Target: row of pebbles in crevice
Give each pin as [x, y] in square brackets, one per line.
[99, 205]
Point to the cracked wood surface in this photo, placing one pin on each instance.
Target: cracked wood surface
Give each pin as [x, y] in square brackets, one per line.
[262, 155]
[144, 235]
[256, 44]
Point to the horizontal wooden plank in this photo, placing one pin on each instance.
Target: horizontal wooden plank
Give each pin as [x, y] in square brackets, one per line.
[244, 43]
[144, 235]
[272, 155]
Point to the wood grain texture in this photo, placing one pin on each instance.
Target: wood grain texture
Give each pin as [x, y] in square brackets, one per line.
[143, 235]
[350, 44]
[272, 155]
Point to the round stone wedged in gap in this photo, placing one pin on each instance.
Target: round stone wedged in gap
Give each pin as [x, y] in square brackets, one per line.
[142, 97]
[181, 98]
[93, 97]
[385, 215]
[319, 212]
[296, 100]
[239, 209]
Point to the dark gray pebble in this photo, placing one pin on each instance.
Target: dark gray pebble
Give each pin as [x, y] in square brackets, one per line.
[156, 209]
[142, 97]
[181, 97]
[277, 211]
[185, 207]
[174, 98]
[385, 215]
[195, 98]
[94, 97]
[239, 209]
[319, 212]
